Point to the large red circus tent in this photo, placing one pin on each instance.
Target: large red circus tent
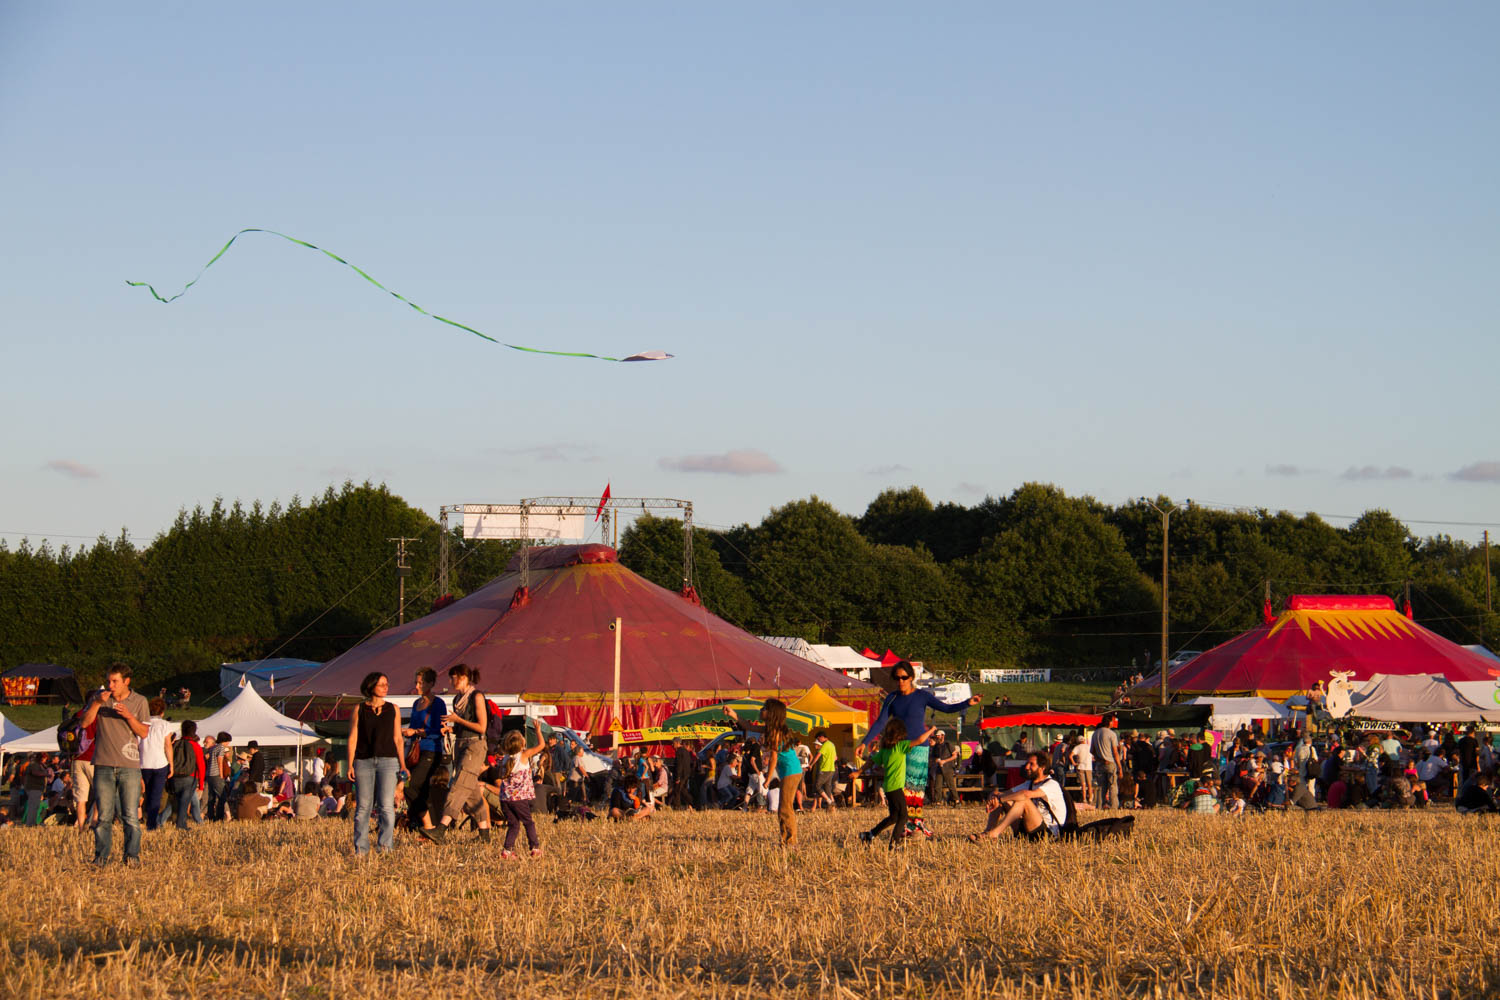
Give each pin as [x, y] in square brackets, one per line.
[1317, 635]
[553, 645]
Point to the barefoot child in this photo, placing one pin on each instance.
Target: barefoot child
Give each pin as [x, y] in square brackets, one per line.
[518, 791]
[892, 757]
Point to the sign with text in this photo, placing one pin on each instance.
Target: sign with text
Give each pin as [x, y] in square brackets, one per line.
[1015, 676]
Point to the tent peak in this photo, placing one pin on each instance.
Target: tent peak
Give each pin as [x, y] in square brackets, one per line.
[559, 556]
[1340, 602]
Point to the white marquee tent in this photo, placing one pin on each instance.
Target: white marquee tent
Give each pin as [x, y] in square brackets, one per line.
[1228, 714]
[248, 717]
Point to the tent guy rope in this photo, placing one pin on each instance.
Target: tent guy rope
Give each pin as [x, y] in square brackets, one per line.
[642, 356]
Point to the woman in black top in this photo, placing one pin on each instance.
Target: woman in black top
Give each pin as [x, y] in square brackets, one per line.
[467, 724]
[374, 759]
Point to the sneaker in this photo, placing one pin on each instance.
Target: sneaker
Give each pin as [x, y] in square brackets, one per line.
[507, 855]
[867, 838]
[536, 852]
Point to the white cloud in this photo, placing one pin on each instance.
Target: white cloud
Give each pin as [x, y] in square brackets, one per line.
[558, 452]
[1478, 472]
[742, 462]
[1367, 472]
[75, 470]
[1286, 470]
[886, 470]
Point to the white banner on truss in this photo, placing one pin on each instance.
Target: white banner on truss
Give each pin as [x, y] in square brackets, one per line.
[554, 523]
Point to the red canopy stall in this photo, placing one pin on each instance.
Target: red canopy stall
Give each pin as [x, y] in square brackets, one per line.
[1316, 635]
[552, 643]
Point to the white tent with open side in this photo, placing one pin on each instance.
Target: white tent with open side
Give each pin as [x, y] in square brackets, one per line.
[1416, 698]
[42, 742]
[1228, 714]
[10, 733]
[248, 717]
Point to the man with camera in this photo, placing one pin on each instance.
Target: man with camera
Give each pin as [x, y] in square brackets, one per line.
[116, 713]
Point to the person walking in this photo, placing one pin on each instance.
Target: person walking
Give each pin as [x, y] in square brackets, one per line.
[467, 723]
[186, 772]
[217, 763]
[891, 759]
[155, 751]
[118, 712]
[910, 705]
[425, 729]
[374, 740]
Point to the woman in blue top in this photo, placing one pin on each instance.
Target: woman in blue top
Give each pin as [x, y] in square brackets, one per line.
[910, 706]
[425, 728]
[779, 748]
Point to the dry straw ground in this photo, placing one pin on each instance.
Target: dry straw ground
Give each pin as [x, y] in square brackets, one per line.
[1348, 905]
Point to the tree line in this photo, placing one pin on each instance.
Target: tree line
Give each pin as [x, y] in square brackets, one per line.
[1039, 578]
[1036, 578]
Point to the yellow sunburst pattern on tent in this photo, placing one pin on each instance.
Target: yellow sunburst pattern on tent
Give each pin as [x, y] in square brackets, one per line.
[1355, 624]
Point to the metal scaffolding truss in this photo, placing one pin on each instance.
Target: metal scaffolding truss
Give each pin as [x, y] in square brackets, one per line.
[530, 506]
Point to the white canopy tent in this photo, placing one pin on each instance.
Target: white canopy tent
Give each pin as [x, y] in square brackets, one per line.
[248, 717]
[9, 733]
[1416, 698]
[1227, 714]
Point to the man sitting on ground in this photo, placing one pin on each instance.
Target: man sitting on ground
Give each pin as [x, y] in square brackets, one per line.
[1034, 809]
[1476, 796]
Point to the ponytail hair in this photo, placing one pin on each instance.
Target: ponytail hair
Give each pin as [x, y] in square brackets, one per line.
[773, 720]
[464, 670]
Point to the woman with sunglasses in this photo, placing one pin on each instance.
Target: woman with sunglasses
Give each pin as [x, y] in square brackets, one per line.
[910, 706]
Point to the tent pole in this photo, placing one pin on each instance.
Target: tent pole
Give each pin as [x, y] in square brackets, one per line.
[617, 627]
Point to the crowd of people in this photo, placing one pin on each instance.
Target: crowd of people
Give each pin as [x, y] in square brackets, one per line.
[453, 765]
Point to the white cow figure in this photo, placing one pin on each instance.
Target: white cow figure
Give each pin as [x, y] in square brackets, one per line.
[1340, 692]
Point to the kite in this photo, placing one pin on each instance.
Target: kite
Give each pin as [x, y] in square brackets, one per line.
[643, 356]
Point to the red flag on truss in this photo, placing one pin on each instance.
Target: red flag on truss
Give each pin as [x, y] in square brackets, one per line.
[599, 512]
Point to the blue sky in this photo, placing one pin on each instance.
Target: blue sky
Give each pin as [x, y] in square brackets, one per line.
[1246, 256]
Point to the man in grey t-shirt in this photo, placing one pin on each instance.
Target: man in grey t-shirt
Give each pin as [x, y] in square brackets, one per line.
[1105, 746]
[117, 713]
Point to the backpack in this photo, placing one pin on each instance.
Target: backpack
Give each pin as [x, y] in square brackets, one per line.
[70, 737]
[494, 726]
[1115, 826]
[184, 761]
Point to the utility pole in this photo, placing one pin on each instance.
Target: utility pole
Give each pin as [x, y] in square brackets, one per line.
[403, 570]
[1166, 526]
[443, 552]
[1487, 605]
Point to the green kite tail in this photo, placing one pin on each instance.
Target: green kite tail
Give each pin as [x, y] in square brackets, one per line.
[643, 356]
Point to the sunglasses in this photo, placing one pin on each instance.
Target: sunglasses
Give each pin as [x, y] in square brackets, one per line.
[903, 677]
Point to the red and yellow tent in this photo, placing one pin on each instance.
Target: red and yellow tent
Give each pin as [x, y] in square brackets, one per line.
[552, 644]
[1316, 635]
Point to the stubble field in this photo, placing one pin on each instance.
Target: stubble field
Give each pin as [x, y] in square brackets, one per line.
[705, 905]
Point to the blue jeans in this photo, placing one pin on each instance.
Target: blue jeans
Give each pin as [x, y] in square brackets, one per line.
[119, 791]
[184, 790]
[218, 796]
[374, 783]
[156, 781]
